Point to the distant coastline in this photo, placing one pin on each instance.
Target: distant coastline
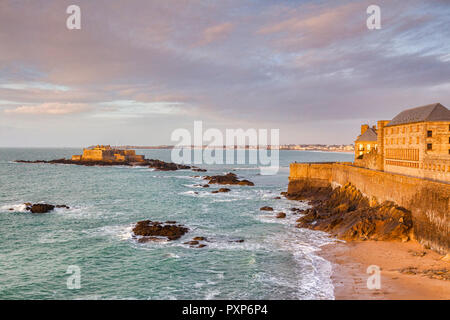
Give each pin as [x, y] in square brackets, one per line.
[346, 148]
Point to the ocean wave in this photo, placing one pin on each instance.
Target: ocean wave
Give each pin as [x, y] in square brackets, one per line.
[120, 232]
[21, 207]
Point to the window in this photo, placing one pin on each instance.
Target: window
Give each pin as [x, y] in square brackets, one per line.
[429, 133]
[429, 146]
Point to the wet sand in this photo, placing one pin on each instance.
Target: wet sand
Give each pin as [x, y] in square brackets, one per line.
[351, 260]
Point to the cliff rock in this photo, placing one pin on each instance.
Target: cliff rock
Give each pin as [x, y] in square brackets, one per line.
[348, 215]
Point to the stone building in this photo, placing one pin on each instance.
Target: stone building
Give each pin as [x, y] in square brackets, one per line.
[366, 141]
[415, 143]
[106, 153]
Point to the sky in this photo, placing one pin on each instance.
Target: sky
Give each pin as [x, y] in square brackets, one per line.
[139, 69]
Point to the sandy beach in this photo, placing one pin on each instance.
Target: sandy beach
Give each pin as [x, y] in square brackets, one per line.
[351, 260]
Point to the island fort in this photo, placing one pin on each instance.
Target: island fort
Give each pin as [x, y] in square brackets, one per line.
[106, 153]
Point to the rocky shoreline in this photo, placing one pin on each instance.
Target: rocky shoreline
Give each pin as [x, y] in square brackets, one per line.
[347, 214]
[151, 163]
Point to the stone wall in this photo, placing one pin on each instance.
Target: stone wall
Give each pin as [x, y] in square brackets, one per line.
[369, 160]
[428, 201]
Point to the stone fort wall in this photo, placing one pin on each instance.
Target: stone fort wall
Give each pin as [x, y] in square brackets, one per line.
[428, 201]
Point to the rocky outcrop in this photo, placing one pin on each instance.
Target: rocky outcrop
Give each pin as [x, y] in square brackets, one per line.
[43, 207]
[151, 163]
[297, 210]
[81, 163]
[229, 178]
[440, 274]
[349, 215]
[153, 230]
[165, 166]
[196, 242]
[221, 190]
[281, 215]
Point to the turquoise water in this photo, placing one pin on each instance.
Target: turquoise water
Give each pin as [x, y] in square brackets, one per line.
[276, 261]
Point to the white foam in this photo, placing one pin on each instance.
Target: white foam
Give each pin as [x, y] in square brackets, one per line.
[211, 294]
[121, 232]
[21, 207]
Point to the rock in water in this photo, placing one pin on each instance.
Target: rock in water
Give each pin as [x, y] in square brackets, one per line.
[221, 190]
[229, 178]
[150, 230]
[165, 166]
[281, 215]
[266, 208]
[62, 206]
[41, 208]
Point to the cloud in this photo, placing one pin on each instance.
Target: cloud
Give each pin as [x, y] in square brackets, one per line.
[50, 109]
[238, 62]
[215, 33]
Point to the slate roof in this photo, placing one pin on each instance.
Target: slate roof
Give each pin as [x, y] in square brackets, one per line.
[431, 112]
[369, 135]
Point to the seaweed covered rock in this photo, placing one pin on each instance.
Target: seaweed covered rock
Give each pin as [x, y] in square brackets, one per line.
[165, 166]
[43, 207]
[155, 230]
[229, 178]
[221, 190]
[281, 215]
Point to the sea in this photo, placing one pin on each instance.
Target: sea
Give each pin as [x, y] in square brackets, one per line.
[88, 252]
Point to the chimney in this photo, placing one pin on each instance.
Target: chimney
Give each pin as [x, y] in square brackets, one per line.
[364, 128]
[380, 143]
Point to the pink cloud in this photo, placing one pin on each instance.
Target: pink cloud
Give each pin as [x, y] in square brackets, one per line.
[51, 109]
[317, 26]
[215, 33]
